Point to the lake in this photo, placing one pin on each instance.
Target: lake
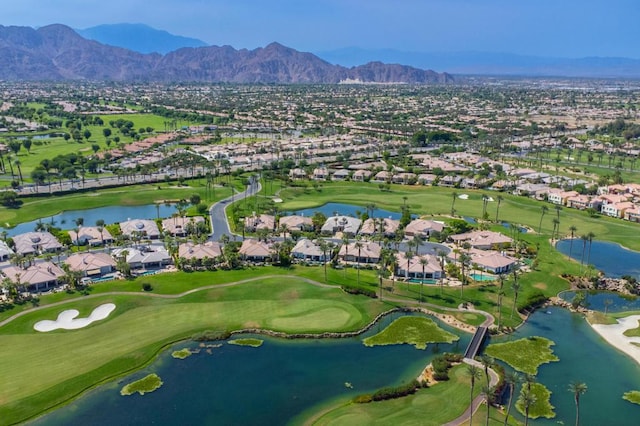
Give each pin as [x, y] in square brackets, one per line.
[275, 383]
[110, 214]
[242, 385]
[596, 300]
[611, 258]
[330, 209]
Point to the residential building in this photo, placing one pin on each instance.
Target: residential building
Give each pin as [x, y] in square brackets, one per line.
[309, 251]
[144, 258]
[5, 251]
[346, 224]
[36, 243]
[140, 228]
[91, 235]
[296, 223]
[91, 264]
[483, 240]
[181, 226]
[374, 226]
[210, 250]
[259, 221]
[423, 227]
[368, 252]
[39, 276]
[413, 267]
[255, 250]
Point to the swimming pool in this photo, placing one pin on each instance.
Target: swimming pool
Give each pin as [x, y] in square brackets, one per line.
[482, 277]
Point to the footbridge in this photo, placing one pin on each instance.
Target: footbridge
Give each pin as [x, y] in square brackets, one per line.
[475, 343]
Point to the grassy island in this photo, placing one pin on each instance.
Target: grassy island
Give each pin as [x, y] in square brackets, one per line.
[524, 355]
[417, 331]
[254, 343]
[182, 353]
[632, 396]
[541, 406]
[145, 385]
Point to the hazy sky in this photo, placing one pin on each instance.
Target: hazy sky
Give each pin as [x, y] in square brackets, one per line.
[569, 28]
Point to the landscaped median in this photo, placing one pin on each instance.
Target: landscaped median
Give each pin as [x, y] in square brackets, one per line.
[35, 367]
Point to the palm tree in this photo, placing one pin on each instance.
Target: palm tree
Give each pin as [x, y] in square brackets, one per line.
[488, 393]
[527, 399]
[487, 361]
[501, 293]
[358, 245]
[100, 227]
[499, 199]
[485, 200]
[417, 241]
[345, 243]
[510, 378]
[408, 255]
[590, 237]
[556, 228]
[577, 389]
[442, 255]
[474, 373]
[464, 258]
[544, 210]
[424, 262]
[324, 246]
[584, 239]
[515, 286]
[607, 303]
[573, 230]
[454, 195]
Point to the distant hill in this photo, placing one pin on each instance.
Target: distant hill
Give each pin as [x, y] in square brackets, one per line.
[139, 38]
[497, 64]
[56, 52]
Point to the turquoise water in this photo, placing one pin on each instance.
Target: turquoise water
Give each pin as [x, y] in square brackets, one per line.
[268, 385]
[596, 301]
[586, 357]
[419, 281]
[613, 259]
[111, 214]
[482, 277]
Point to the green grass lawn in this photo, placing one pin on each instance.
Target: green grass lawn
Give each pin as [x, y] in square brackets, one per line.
[254, 343]
[417, 331]
[524, 355]
[38, 372]
[432, 406]
[633, 332]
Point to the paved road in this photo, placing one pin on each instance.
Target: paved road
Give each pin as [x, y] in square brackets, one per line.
[218, 215]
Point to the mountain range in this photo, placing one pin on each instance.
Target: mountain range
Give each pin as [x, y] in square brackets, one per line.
[495, 64]
[57, 53]
[139, 38]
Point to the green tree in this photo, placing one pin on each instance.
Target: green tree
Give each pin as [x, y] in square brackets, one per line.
[474, 373]
[511, 378]
[544, 210]
[577, 389]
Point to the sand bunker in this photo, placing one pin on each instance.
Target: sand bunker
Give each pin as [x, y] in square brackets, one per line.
[463, 196]
[613, 333]
[67, 319]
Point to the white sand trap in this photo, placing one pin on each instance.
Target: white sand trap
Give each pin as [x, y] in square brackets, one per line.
[612, 333]
[463, 196]
[490, 199]
[67, 319]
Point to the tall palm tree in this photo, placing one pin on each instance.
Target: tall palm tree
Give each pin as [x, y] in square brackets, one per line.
[544, 210]
[442, 255]
[408, 255]
[358, 245]
[100, 227]
[577, 389]
[584, 239]
[464, 258]
[573, 230]
[487, 361]
[417, 241]
[510, 378]
[590, 237]
[499, 199]
[474, 373]
[324, 246]
[345, 243]
[515, 286]
[454, 195]
[500, 295]
[527, 399]
[424, 262]
[556, 228]
[488, 393]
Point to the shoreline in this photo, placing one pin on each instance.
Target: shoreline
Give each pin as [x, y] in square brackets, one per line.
[613, 334]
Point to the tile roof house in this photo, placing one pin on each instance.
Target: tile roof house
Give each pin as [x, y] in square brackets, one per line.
[423, 228]
[36, 242]
[144, 227]
[310, 251]
[346, 224]
[484, 240]
[432, 269]
[369, 252]
[149, 258]
[255, 250]
[91, 235]
[40, 276]
[296, 223]
[178, 226]
[91, 264]
[372, 226]
[210, 249]
[5, 251]
[261, 221]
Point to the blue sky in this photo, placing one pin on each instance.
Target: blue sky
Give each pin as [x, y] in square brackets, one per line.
[563, 28]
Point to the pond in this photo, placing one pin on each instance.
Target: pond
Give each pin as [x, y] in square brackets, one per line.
[584, 357]
[601, 300]
[611, 258]
[110, 214]
[269, 385]
[330, 209]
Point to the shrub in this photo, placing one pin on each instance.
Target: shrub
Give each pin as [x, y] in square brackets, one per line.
[147, 287]
[363, 291]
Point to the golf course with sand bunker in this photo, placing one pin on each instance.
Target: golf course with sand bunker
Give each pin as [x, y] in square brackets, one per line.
[36, 373]
[68, 320]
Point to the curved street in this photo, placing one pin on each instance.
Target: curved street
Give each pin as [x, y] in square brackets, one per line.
[218, 211]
